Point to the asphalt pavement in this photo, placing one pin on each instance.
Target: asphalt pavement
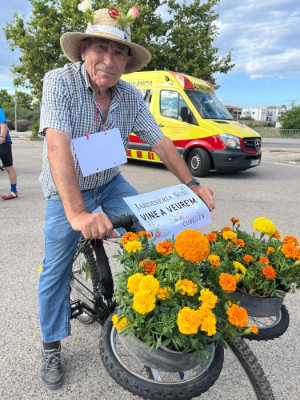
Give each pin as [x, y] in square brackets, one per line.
[22, 250]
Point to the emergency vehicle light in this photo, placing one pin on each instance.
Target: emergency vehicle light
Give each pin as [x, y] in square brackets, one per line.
[185, 82]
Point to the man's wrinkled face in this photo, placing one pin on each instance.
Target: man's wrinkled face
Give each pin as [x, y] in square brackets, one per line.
[105, 61]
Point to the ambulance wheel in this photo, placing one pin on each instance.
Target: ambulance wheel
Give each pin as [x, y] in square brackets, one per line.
[198, 161]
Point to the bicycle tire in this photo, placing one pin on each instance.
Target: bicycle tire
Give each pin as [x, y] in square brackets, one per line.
[270, 332]
[146, 386]
[252, 368]
[78, 278]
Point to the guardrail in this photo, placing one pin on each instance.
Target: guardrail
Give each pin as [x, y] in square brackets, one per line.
[278, 133]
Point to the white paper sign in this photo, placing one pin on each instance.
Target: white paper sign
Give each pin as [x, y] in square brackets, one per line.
[167, 212]
[99, 151]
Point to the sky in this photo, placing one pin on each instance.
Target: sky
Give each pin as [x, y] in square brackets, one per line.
[264, 36]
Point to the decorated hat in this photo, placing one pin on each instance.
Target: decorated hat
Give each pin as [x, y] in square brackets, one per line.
[106, 24]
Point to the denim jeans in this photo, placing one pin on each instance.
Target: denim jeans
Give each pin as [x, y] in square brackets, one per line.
[60, 245]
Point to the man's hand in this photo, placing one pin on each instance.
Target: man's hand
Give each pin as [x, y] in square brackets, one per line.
[2, 140]
[206, 195]
[93, 226]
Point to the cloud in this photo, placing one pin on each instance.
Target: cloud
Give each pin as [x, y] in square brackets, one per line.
[264, 36]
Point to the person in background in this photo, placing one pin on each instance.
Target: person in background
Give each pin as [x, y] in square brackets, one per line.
[6, 157]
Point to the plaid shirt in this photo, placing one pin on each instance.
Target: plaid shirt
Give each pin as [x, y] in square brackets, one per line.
[69, 105]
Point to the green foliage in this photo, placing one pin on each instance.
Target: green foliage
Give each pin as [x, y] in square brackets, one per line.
[291, 119]
[182, 43]
[22, 113]
[6, 100]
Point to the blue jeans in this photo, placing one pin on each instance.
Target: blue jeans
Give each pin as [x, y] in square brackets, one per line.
[60, 245]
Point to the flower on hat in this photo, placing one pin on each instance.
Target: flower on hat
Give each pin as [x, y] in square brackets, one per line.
[130, 17]
[86, 8]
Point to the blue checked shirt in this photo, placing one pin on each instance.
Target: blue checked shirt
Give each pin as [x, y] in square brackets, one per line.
[69, 105]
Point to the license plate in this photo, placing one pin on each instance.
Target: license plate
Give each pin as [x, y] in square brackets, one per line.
[254, 162]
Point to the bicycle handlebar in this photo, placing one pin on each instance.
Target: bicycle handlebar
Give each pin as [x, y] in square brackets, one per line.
[128, 222]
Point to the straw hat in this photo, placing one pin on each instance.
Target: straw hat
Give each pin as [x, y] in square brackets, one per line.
[105, 26]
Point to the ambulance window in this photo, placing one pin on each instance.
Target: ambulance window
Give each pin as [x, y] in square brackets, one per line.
[172, 105]
[147, 94]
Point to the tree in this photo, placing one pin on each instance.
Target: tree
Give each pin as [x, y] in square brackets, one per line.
[291, 119]
[6, 100]
[182, 42]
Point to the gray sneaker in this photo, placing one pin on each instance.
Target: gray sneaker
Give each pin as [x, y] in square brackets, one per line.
[52, 372]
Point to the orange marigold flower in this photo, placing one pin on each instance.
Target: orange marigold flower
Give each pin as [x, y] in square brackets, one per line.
[269, 272]
[227, 282]
[263, 260]
[192, 245]
[270, 250]
[212, 237]
[237, 316]
[165, 247]
[234, 220]
[276, 235]
[290, 251]
[149, 266]
[253, 329]
[164, 293]
[144, 233]
[248, 258]
[228, 235]
[208, 320]
[239, 242]
[226, 229]
[185, 286]
[214, 260]
[129, 236]
[291, 240]
[188, 321]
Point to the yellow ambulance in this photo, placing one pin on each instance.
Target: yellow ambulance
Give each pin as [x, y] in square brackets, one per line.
[201, 128]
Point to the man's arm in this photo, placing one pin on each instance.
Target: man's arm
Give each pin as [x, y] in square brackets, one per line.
[167, 152]
[64, 176]
[3, 132]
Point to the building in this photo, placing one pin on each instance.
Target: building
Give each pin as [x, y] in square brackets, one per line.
[235, 112]
[260, 113]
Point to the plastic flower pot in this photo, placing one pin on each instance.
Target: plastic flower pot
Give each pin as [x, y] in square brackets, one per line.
[162, 358]
[259, 306]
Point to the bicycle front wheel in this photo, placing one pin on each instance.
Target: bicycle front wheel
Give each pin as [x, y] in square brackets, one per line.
[81, 283]
[148, 383]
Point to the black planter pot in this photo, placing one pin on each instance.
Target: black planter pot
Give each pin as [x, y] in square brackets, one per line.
[257, 306]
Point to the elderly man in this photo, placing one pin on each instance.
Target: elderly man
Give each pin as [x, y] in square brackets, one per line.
[82, 98]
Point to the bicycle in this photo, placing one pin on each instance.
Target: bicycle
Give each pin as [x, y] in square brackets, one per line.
[92, 300]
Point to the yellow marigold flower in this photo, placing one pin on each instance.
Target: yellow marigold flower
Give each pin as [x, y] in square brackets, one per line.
[144, 233]
[234, 220]
[276, 235]
[227, 282]
[212, 237]
[149, 285]
[239, 242]
[290, 251]
[149, 266]
[208, 298]
[269, 272]
[143, 302]
[248, 258]
[253, 329]
[133, 247]
[208, 321]
[121, 324]
[270, 250]
[237, 316]
[134, 282]
[188, 321]
[164, 248]
[237, 277]
[214, 260]
[192, 245]
[186, 286]
[226, 229]
[129, 237]
[229, 235]
[240, 267]
[291, 240]
[164, 293]
[264, 225]
[263, 260]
